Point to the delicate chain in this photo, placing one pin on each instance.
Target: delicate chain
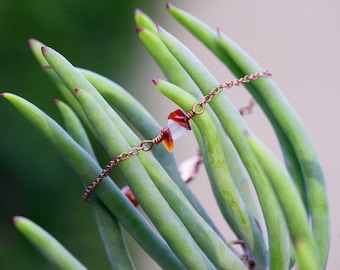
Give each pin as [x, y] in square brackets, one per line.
[197, 109]
[122, 156]
[146, 145]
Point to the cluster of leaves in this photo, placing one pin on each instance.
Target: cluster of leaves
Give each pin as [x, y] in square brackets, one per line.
[293, 198]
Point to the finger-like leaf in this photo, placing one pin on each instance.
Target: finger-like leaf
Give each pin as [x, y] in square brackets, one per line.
[169, 65]
[74, 127]
[36, 46]
[112, 237]
[108, 225]
[142, 20]
[47, 244]
[303, 153]
[293, 208]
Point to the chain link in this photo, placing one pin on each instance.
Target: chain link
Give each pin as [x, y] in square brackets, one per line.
[199, 107]
[147, 145]
[245, 79]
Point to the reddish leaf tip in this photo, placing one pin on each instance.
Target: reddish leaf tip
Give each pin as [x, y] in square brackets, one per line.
[128, 193]
[138, 11]
[44, 49]
[2, 94]
[246, 133]
[159, 28]
[218, 31]
[31, 42]
[55, 100]
[139, 29]
[16, 219]
[76, 90]
[47, 67]
[155, 81]
[168, 6]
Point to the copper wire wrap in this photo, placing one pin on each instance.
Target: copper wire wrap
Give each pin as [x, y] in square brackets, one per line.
[148, 144]
[197, 109]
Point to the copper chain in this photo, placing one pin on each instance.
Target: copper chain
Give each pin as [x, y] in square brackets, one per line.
[197, 109]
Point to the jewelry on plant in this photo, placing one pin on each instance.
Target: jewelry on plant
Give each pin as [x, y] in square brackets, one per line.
[188, 169]
[178, 126]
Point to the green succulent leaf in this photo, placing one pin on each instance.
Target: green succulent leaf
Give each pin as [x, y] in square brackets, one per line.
[144, 21]
[112, 237]
[108, 225]
[167, 62]
[36, 47]
[74, 127]
[47, 244]
[293, 208]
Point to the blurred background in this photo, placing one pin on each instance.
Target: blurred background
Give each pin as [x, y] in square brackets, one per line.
[298, 40]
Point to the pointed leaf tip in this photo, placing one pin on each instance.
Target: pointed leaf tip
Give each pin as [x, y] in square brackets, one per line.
[31, 42]
[168, 6]
[16, 219]
[2, 94]
[77, 90]
[139, 29]
[155, 81]
[44, 49]
[128, 193]
[159, 28]
[55, 100]
[138, 11]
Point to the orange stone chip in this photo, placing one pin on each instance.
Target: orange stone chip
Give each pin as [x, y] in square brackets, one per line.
[167, 139]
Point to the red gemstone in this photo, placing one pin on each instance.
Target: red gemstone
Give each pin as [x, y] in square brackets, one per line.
[180, 118]
[167, 139]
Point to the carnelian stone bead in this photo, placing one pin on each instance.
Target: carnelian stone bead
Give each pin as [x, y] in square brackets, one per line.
[180, 118]
[167, 139]
[178, 124]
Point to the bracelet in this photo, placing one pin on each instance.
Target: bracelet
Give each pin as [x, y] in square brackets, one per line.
[178, 126]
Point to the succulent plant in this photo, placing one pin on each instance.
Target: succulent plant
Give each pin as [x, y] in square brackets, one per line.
[292, 197]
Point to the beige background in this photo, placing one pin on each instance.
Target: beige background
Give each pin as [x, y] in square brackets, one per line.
[299, 41]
